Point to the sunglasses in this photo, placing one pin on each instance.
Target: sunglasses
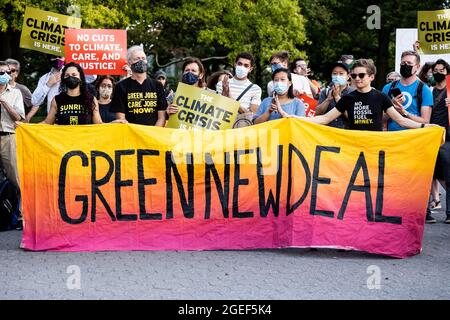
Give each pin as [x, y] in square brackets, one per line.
[3, 72]
[360, 75]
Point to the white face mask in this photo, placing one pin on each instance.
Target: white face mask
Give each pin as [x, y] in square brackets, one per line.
[105, 92]
[241, 72]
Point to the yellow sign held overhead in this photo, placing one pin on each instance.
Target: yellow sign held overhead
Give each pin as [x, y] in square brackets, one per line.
[434, 31]
[44, 31]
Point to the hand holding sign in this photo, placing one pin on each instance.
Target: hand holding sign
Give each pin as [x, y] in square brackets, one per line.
[198, 108]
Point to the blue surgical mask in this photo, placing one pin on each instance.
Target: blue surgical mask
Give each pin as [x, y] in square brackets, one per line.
[340, 80]
[4, 79]
[275, 67]
[189, 78]
[280, 87]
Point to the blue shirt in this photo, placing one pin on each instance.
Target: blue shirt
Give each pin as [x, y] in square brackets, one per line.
[295, 107]
[410, 105]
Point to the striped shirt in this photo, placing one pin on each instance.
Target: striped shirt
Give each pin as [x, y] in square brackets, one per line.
[252, 96]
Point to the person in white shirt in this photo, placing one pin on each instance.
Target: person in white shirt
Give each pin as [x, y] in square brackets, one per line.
[48, 86]
[241, 89]
[12, 110]
[300, 83]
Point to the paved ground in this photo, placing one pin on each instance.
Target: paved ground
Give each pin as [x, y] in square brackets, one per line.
[261, 274]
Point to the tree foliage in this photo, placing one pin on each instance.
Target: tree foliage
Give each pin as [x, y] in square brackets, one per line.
[336, 27]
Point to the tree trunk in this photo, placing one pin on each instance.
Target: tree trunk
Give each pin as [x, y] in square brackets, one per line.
[10, 45]
[382, 57]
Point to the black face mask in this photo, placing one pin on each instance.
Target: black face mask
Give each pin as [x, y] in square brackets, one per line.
[439, 77]
[72, 82]
[406, 70]
[139, 67]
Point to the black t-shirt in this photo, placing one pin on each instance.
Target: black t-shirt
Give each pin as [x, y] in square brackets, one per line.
[105, 112]
[439, 114]
[139, 102]
[365, 110]
[71, 110]
[340, 122]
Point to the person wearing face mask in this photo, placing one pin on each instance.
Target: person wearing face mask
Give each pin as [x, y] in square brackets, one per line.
[194, 75]
[283, 100]
[12, 110]
[300, 83]
[161, 76]
[338, 87]
[139, 99]
[374, 103]
[74, 105]
[415, 101]
[104, 87]
[426, 74]
[440, 116]
[47, 86]
[216, 77]
[14, 66]
[241, 89]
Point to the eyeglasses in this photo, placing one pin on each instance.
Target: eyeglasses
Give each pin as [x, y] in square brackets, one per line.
[106, 86]
[360, 75]
[3, 72]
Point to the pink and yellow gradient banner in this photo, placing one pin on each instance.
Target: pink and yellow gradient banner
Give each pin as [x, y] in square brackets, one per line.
[285, 183]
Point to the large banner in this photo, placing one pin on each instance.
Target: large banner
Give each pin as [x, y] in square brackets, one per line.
[201, 109]
[284, 183]
[98, 51]
[434, 31]
[44, 31]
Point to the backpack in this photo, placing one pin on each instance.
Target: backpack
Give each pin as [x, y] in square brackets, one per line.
[417, 95]
[9, 205]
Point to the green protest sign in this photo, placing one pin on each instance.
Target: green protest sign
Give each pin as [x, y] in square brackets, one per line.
[202, 109]
[44, 31]
[434, 31]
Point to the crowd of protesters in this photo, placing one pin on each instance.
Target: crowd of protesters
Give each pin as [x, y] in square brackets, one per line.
[414, 98]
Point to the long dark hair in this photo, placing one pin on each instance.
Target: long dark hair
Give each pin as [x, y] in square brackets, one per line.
[86, 96]
[423, 72]
[214, 78]
[290, 92]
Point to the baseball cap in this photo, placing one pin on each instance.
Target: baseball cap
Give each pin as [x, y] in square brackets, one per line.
[340, 64]
[159, 74]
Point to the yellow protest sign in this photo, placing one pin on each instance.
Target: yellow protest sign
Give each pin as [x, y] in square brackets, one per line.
[434, 31]
[44, 31]
[202, 109]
